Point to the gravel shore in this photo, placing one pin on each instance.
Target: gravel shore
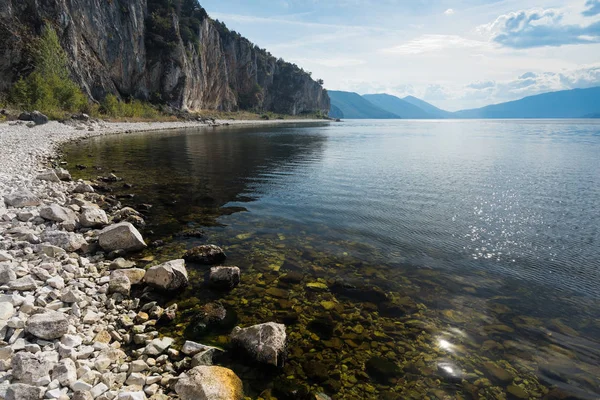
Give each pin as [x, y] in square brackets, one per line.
[68, 328]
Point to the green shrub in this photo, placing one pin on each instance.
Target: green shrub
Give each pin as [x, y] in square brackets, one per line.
[49, 88]
[112, 107]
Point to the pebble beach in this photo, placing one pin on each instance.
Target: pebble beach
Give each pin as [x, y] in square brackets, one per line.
[69, 328]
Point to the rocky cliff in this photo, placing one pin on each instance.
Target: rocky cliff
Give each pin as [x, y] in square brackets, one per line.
[165, 51]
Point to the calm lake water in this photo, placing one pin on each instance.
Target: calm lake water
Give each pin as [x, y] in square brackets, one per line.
[448, 259]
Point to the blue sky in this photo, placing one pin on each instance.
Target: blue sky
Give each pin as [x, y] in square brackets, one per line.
[454, 54]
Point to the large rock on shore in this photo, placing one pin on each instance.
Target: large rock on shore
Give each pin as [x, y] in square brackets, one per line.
[49, 325]
[92, 217]
[65, 240]
[264, 342]
[121, 236]
[205, 254]
[30, 368]
[135, 275]
[224, 277]
[23, 391]
[56, 213]
[22, 198]
[171, 275]
[209, 383]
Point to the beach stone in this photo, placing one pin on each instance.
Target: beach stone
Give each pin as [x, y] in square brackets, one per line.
[23, 284]
[68, 241]
[205, 357]
[92, 217]
[4, 256]
[6, 310]
[22, 198]
[29, 368]
[49, 325]
[7, 273]
[119, 284]
[192, 348]
[121, 263]
[56, 213]
[65, 372]
[224, 277]
[209, 383]
[83, 188]
[264, 342]
[135, 275]
[51, 251]
[131, 396]
[63, 174]
[49, 176]
[171, 275]
[22, 391]
[82, 395]
[121, 236]
[158, 346]
[35, 116]
[205, 254]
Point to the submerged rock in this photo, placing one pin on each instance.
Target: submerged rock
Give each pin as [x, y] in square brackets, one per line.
[212, 318]
[224, 277]
[206, 254]
[382, 370]
[121, 236]
[209, 383]
[171, 275]
[265, 342]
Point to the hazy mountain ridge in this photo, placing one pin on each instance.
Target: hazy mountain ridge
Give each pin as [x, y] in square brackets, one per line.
[398, 106]
[353, 106]
[575, 103]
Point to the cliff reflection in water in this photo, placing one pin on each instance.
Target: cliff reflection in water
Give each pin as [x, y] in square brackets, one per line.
[189, 177]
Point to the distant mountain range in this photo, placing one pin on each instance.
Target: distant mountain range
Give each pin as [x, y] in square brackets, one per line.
[354, 106]
[576, 103]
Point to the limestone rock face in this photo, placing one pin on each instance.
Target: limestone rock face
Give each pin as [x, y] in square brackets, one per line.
[112, 50]
[209, 383]
[121, 236]
[49, 325]
[265, 342]
[171, 275]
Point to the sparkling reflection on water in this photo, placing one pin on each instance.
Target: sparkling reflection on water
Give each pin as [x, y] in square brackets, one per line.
[483, 234]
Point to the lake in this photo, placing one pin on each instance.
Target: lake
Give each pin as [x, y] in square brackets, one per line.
[406, 258]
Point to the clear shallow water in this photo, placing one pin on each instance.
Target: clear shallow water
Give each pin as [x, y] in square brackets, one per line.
[490, 229]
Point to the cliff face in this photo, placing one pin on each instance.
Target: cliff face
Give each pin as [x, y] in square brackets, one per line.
[166, 52]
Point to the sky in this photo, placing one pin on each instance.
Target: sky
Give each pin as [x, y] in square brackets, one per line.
[455, 54]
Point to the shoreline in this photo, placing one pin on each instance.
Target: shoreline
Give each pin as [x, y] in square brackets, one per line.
[65, 310]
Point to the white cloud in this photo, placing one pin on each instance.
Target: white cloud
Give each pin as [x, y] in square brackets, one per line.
[449, 12]
[431, 43]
